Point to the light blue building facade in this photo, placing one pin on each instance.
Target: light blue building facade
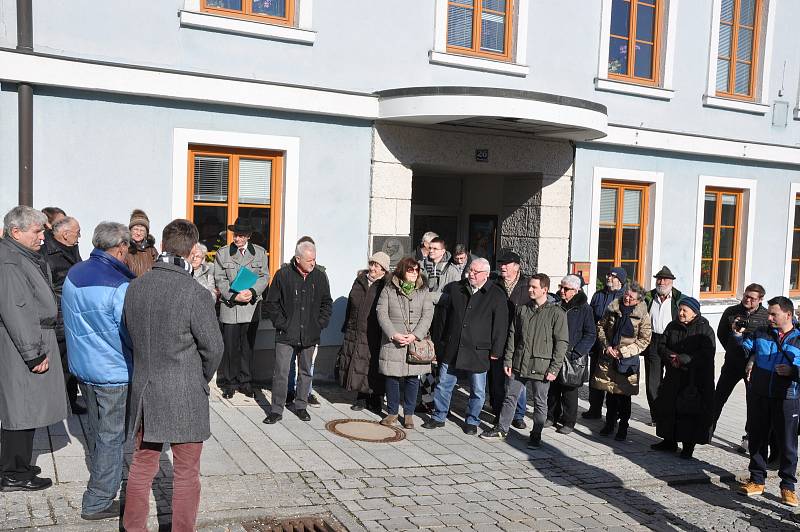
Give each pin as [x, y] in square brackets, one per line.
[584, 134]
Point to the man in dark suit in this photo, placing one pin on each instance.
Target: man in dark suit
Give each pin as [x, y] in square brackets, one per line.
[177, 346]
[475, 324]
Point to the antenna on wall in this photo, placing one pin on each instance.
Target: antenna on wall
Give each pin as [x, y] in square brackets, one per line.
[783, 79]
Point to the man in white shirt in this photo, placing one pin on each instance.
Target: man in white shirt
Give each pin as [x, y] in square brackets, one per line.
[662, 304]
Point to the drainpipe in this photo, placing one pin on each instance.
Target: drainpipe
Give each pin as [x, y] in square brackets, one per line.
[25, 106]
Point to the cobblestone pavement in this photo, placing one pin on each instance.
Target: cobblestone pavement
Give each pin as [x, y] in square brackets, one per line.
[440, 479]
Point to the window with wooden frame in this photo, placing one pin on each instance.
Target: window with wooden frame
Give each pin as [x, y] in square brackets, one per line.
[623, 229]
[794, 270]
[719, 263]
[268, 11]
[480, 27]
[226, 184]
[635, 41]
[737, 58]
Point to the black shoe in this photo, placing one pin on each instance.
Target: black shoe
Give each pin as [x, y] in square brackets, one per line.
[591, 415]
[535, 441]
[358, 406]
[247, 391]
[666, 445]
[272, 418]
[687, 451]
[564, 429]
[109, 513]
[433, 424]
[289, 399]
[302, 415]
[548, 423]
[470, 430]
[34, 484]
[519, 424]
[622, 433]
[77, 409]
[493, 434]
[313, 401]
[607, 429]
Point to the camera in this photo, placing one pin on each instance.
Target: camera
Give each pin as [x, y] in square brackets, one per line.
[741, 323]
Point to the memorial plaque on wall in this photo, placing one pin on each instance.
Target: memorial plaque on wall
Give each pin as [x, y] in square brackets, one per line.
[396, 247]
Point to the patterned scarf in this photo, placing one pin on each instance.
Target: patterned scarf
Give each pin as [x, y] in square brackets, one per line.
[170, 258]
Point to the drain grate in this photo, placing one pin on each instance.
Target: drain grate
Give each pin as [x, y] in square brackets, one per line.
[295, 524]
[365, 430]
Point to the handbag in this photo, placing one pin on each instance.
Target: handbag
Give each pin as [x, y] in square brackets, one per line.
[573, 372]
[418, 351]
[627, 366]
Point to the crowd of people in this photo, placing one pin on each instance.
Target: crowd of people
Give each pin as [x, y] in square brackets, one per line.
[142, 332]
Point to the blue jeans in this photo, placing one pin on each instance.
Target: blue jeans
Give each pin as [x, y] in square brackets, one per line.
[410, 389]
[521, 404]
[293, 373]
[444, 392]
[105, 434]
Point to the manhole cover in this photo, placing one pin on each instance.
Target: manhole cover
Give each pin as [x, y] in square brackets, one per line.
[365, 430]
[295, 524]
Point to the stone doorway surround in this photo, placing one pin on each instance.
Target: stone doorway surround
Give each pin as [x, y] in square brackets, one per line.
[536, 176]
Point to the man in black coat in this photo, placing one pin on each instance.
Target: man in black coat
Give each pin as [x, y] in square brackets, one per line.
[751, 314]
[515, 284]
[299, 304]
[475, 325]
[61, 252]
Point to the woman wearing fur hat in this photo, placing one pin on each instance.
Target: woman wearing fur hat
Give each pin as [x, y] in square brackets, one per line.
[358, 357]
[142, 251]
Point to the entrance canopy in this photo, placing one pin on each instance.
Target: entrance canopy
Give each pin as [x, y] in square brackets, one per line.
[488, 108]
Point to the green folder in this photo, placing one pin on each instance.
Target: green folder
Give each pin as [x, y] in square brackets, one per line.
[245, 279]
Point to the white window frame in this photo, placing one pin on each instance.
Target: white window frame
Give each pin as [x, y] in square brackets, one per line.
[662, 92]
[653, 234]
[794, 190]
[191, 17]
[745, 263]
[290, 146]
[760, 104]
[517, 67]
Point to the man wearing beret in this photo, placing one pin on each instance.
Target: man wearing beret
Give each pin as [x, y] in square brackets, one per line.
[239, 310]
[662, 304]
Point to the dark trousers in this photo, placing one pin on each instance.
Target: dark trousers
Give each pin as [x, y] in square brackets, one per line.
[16, 453]
[731, 373]
[765, 414]
[596, 397]
[280, 376]
[70, 382]
[562, 404]
[654, 373]
[618, 407]
[235, 368]
[410, 389]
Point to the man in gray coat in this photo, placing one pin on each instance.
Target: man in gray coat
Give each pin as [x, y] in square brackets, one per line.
[240, 309]
[31, 379]
[177, 347]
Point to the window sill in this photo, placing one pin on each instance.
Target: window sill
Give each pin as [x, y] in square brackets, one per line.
[797, 113]
[206, 21]
[478, 63]
[735, 105]
[610, 85]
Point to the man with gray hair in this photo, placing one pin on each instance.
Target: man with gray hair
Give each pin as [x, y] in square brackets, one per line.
[424, 246]
[61, 252]
[100, 358]
[299, 304]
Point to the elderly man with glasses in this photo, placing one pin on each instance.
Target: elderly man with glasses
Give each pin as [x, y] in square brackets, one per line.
[475, 321]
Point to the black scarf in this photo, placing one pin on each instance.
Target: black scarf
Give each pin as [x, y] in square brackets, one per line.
[623, 327]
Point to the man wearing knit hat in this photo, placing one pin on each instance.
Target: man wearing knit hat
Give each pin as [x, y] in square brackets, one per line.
[662, 304]
[613, 289]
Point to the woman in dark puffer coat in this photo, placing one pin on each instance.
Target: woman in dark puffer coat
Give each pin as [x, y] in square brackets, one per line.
[358, 357]
[685, 403]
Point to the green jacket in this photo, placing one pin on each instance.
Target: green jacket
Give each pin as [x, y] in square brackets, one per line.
[537, 341]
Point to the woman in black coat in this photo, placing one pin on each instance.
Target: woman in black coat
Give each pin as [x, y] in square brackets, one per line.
[358, 357]
[685, 401]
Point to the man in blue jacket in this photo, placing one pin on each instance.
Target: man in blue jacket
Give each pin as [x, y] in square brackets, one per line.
[100, 358]
[773, 397]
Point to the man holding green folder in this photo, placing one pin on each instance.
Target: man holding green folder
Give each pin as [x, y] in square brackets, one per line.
[241, 275]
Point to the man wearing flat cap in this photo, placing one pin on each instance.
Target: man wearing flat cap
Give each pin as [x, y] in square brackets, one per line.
[662, 304]
[239, 310]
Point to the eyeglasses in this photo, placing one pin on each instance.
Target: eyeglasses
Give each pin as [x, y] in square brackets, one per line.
[409, 270]
[476, 272]
[566, 288]
[611, 274]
